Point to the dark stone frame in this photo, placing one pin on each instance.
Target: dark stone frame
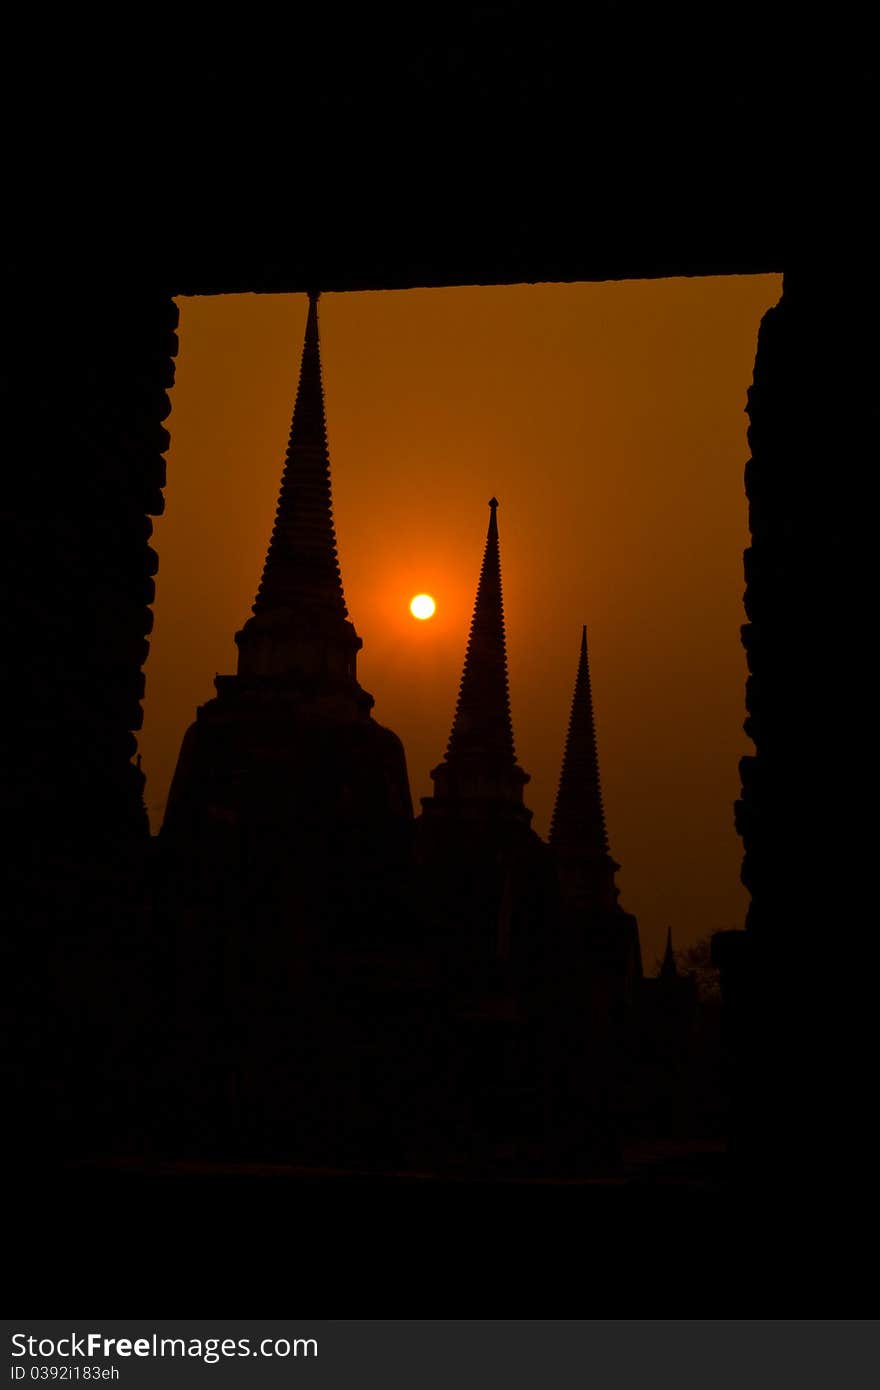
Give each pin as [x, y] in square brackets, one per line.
[454, 196]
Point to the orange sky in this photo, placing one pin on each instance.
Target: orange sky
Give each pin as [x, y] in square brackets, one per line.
[608, 420]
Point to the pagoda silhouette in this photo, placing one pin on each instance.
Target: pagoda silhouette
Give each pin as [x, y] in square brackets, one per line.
[488, 876]
[599, 937]
[285, 850]
[352, 986]
[285, 783]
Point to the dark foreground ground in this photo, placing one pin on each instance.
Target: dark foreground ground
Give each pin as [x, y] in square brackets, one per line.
[699, 1164]
[669, 1236]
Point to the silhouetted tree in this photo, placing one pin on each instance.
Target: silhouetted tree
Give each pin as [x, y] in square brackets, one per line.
[696, 960]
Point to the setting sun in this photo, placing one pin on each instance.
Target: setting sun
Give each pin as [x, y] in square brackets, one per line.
[422, 606]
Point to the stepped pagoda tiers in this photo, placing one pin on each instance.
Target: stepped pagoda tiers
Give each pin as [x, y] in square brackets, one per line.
[474, 838]
[285, 784]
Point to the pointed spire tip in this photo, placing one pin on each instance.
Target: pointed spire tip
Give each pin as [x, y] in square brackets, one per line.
[302, 564]
[668, 966]
[481, 725]
[578, 817]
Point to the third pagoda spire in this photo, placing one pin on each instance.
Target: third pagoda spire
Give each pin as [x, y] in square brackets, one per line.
[578, 837]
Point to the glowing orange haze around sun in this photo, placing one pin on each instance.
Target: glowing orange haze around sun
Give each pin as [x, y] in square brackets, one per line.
[608, 420]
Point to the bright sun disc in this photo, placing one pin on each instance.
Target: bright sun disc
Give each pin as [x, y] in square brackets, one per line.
[422, 606]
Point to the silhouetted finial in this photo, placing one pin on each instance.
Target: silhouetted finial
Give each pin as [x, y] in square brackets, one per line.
[493, 502]
[668, 967]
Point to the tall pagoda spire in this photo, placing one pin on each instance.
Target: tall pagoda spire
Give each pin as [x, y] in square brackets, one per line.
[301, 564]
[578, 835]
[480, 761]
[300, 621]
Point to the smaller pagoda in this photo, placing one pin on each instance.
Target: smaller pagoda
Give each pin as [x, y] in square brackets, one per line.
[578, 836]
[596, 931]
